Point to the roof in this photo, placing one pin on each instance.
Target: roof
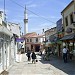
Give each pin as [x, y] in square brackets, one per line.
[68, 37]
[51, 29]
[67, 6]
[32, 35]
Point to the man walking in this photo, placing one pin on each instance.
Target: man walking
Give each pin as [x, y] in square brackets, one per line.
[65, 54]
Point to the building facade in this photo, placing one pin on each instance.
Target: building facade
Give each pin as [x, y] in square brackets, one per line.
[16, 30]
[60, 34]
[68, 16]
[34, 41]
[5, 44]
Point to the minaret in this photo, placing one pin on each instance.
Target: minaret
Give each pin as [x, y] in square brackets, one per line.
[25, 21]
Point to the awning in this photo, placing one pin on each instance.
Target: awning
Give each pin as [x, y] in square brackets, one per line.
[68, 37]
[5, 30]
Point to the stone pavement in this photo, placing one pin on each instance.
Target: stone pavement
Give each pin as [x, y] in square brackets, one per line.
[52, 67]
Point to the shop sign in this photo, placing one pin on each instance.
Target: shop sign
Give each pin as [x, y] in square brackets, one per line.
[20, 39]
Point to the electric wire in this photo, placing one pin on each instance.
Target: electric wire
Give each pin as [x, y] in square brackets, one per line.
[33, 12]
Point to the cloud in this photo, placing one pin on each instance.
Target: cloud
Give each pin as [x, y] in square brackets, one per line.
[28, 2]
[42, 26]
[32, 5]
[6, 11]
[16, 20]
[32, 16]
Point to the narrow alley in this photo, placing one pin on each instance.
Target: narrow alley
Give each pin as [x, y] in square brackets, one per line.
[52, 67]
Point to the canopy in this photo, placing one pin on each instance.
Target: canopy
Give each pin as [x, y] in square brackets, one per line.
[68, 37]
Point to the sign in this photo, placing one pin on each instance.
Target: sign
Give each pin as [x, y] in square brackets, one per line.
[59, 25]
[20, 39]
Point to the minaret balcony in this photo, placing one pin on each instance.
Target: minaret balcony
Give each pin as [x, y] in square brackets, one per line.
[25, 20]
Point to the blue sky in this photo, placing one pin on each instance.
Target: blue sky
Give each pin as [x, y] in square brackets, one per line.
[49, 9]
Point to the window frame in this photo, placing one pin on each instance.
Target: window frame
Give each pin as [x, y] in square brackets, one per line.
[27, 40]
[71, 18]
[36, 39]
[66, 20]
[30, 40]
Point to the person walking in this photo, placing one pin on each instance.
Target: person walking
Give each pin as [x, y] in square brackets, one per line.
[65, 54]
[33, 57]
[28, 54]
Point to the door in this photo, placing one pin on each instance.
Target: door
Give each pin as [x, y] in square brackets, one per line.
[37, 48]
[5, 56]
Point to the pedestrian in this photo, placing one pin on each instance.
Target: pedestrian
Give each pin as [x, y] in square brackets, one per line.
[65, 54]
[33, 57]
[28, 54]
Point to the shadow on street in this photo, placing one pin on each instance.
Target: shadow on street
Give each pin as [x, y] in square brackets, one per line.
[68, 67]
[4, 73]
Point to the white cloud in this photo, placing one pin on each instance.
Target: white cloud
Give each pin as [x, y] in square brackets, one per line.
[32, 5]
[16, 20]
[44, 26]
[6, 11]
[54, 17]
[32, 16]
[27, 3]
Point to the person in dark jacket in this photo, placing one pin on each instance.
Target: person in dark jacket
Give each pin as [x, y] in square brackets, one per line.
[28, 54]
[33, 57]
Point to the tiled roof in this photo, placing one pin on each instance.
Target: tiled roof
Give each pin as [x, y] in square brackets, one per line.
[32, 35]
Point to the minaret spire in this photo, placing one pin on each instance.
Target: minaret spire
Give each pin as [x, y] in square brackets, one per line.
[25, 21]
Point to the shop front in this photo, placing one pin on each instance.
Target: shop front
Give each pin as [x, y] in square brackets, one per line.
[5, 51]
[69, 42]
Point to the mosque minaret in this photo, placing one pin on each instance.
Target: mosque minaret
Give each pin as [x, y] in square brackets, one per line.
[25, 21]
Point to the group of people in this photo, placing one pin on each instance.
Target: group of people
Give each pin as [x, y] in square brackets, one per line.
[31, 55]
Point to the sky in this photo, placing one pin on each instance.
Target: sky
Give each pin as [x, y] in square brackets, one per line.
[48, 11]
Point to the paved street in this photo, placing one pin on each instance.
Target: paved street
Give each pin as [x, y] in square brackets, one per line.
[52, 67]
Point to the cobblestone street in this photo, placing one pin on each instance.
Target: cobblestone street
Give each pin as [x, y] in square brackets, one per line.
[40, 68]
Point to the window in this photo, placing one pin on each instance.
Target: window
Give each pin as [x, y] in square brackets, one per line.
[71, 18]
[66, 21]
[36, 39]
[27, 40]
[30, 40]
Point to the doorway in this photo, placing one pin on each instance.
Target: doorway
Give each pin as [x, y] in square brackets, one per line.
[37, 48]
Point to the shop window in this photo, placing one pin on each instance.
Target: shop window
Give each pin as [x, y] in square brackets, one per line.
[66, 21]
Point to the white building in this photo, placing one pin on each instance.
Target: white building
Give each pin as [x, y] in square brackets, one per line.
[16, 30]
[5, 44]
